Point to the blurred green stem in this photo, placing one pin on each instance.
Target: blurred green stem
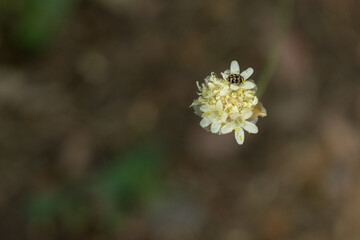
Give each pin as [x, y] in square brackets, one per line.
[284, 21]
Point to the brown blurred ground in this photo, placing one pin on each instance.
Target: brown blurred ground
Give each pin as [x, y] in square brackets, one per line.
[119, 74]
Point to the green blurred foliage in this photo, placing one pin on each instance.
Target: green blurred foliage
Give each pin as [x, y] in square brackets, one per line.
[131, 181]
[33, 24]
[64, 205]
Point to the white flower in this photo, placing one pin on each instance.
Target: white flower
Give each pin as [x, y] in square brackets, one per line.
[213, 115]
[226, 107]
[238, 123]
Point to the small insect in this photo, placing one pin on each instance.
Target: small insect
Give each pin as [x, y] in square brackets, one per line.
[235, 78]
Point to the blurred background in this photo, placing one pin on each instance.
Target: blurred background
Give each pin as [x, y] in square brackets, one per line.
[97, 140]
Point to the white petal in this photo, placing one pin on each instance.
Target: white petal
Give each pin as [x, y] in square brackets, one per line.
[224, 116]
[207, 78]
[234, 67]
[235, 115]
[255, 101]
[215, 127]
[205, 122]
[234, 87]
[255, 88]
[264, 112]
[234, 109]
[227, 128]
[198, 85]
[224, 91]
[246, 114]
[254, 120]
[225, 75]
[250, 127]
[197, 110]
[247, 85]
[247, 73]
[219, 105]
[239, 135]
[211, 85]
[205, 108]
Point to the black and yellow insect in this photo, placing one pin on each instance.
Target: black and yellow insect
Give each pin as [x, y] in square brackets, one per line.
[235, 78]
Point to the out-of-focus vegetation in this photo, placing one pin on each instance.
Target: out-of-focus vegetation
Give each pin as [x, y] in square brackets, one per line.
[130, 182]
[32, 24]
[97, 140]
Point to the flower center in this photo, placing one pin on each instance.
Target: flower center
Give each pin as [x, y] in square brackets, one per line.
[242, 99]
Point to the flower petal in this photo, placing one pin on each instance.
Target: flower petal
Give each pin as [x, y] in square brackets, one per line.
[239, 135]
[250, 127]
[224, 116]
[234, 87]
[215, 127]
[247, 85]
[234, 67]
[246, 114]
[225, 74]
[207, 79]
[254, 120]
[255, 101]
[227, 128]
[234, 109]
[198, 85]
[250, 80]
[205, 108]
[211, 85]
[219, 105]
[234, 115]
[224, 91]
[205, 122]
[197, 111]
[247, 73]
